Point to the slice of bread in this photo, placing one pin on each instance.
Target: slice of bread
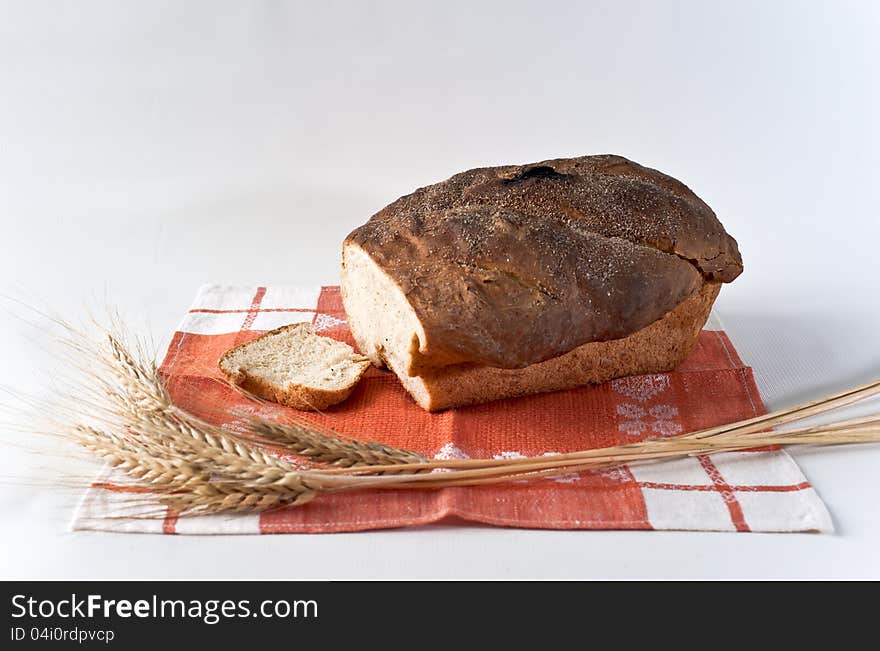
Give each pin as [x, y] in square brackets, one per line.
[295, 367]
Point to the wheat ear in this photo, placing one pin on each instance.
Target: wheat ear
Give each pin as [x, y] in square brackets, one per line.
[305, 440]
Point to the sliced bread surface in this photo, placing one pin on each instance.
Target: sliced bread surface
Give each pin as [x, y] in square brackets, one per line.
[293, 366]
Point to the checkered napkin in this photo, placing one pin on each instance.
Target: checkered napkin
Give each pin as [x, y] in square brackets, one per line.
[743, 491]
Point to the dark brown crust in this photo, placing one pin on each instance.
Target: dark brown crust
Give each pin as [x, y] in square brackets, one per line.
[514, 265]
[660, 347]
[298, 396]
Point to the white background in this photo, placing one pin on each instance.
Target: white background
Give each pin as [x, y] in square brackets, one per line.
[146, 148]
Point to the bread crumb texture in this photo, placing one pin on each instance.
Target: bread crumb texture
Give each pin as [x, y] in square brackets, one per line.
[295, 367]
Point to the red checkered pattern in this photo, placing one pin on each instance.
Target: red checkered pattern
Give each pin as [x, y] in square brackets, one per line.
[745, 491]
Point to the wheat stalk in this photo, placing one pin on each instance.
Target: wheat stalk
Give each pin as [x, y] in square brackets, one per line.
[145, 396]
[236, 496]
[604, 458]
[306, 440]
[194, 467]
[187, 463]
[736, 430]
[176, 473]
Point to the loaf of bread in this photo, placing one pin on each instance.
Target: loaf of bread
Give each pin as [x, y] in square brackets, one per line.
[512, 280]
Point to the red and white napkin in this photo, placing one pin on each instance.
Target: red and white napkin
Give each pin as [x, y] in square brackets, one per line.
[744, 491]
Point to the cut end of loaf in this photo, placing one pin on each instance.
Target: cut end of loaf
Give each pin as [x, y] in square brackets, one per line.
[295, 367]
[382, 321]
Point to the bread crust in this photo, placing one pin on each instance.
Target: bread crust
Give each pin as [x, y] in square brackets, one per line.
[298, 396]
[515, 265]
[657, 348]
